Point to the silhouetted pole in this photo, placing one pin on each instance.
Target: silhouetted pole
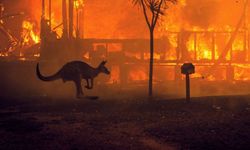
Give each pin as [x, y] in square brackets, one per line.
[71, 18]
[81, 22]
[65, 20]
[50, 11]
[43, 8]
[77, 24]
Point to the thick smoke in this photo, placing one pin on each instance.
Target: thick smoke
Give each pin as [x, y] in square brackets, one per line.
[212, 13]
[200, 13]
[116, 19]
[120, 19]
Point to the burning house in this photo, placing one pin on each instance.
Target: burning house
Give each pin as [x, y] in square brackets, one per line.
[189, 32]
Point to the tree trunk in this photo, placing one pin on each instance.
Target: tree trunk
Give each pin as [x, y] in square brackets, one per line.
[150, 84]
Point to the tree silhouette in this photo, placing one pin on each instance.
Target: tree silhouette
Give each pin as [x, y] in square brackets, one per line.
[152, 9]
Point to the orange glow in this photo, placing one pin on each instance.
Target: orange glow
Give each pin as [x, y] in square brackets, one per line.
[115, 75]
[28, 34]
[204, 51]
[191, 30]
[137, 75]
[4, 55]
[238, 44]
[242, 72]
[78, 4]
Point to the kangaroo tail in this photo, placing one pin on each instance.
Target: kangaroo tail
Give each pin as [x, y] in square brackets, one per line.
[48, 78]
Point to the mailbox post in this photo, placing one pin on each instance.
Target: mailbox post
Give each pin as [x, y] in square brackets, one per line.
[187, 69]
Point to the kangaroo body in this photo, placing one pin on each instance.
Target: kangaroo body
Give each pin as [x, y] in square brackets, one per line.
[76, 71]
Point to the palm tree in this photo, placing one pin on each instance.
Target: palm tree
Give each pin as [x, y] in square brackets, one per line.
[152, 9]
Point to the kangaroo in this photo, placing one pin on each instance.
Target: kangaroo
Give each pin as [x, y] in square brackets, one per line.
[75, 71]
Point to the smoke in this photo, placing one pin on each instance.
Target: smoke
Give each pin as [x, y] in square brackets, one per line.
[200, 13]
[120, 19]
[113, 19]
[205, 14]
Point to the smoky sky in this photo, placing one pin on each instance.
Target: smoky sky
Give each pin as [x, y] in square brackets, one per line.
[120, 19]
[200, 12]
[204, 13]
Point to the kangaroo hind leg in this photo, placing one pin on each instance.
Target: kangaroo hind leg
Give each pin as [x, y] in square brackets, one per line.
[92, 83]
[79, 92]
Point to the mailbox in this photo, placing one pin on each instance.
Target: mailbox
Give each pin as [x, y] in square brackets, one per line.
[187, 68]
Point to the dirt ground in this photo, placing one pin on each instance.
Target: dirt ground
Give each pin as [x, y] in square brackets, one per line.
[43, 122]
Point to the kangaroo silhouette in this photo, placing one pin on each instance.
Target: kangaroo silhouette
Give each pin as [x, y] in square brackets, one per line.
[76, 71]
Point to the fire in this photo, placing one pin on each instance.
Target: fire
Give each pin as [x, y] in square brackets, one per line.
[173, 44]
[78, 4]
[54, 23]
[204, 51]
[242, 72]
[137, 75]
[190, 30]
[29, 36]
[182, 2]
[238, 44]
[4, 54]
[115, 75]
[156, 56]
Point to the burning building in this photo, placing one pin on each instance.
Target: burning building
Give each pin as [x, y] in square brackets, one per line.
[191, 31]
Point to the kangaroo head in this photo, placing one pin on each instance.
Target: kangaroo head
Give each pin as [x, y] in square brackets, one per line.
[102, 68]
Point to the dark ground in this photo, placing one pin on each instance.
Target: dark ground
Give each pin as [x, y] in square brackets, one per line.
[43, 122]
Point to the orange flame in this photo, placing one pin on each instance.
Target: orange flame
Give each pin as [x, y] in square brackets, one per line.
[28, 33]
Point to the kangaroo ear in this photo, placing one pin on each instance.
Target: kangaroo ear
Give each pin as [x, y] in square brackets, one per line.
[103, 62]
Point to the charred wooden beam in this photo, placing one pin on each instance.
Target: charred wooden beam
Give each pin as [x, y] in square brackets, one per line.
[71, 18]
[50, 9]
[65, 20]
[43, 8]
